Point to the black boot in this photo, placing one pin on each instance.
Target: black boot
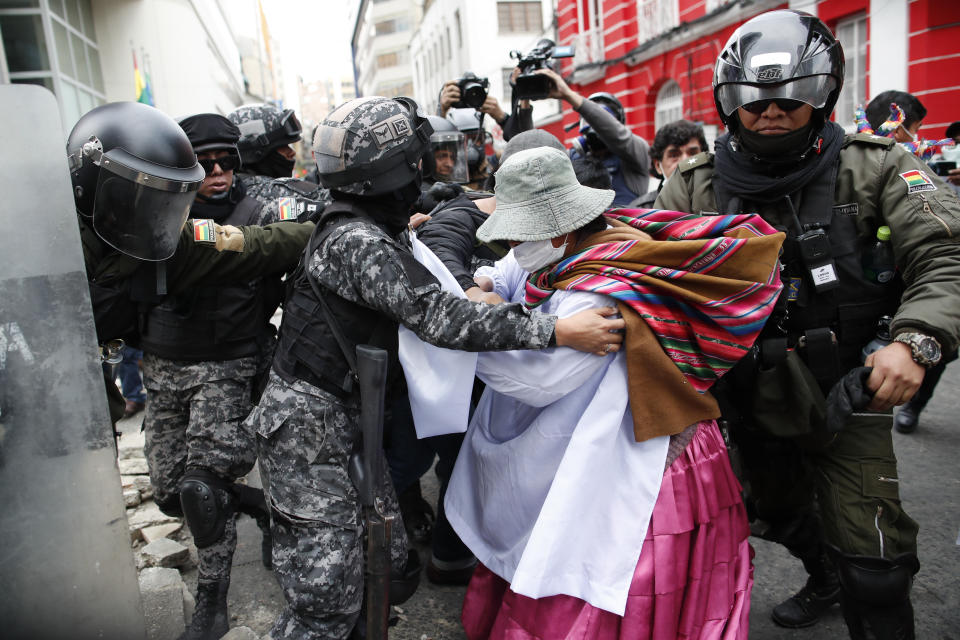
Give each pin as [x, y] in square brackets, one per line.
[875, 596]
[418, 515]
[821, 592]
[210, 621]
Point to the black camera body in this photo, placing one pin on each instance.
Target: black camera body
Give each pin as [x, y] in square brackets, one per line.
[534, 86]
[473, 91]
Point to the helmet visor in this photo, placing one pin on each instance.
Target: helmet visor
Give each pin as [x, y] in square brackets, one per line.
[812, 90]
[141, 214]
[290, 126]
[449, 151]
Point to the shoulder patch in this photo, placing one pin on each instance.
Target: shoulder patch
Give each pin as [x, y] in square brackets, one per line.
[869, 138]
[204, 232]
[701, 159]
[917, 181]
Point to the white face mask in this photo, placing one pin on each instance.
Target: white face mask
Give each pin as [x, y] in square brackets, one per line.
[537, 254]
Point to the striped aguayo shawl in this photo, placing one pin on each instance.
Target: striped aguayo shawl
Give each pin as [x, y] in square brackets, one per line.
[693, 305]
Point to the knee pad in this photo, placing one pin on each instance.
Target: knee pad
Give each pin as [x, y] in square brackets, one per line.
[208, 502]
[876, 581]
[171, 506]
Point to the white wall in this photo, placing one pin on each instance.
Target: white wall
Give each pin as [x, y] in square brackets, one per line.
[194, 61]
[887, 66]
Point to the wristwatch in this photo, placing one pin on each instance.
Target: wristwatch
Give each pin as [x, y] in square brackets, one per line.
[926, 349]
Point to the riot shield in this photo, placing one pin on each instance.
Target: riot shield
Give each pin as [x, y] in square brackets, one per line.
[66, 567]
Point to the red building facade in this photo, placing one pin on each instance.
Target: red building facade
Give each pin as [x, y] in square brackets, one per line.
[657, 56]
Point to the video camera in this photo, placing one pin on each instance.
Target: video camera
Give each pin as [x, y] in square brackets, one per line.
[473, 91]
[530, 85]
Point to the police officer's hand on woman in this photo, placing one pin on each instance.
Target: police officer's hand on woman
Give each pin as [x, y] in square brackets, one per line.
[591, 331]
[895, 377]
[561, 90]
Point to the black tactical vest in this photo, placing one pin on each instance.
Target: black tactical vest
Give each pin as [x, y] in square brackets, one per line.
[307, 349]
[851, 310]
[209, 323]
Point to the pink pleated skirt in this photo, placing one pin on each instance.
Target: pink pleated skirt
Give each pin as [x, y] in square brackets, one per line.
[692, 581]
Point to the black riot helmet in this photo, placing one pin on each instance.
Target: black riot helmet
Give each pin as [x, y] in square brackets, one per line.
[447, 142]
[371, 146]
[779, 55]
[263, 128]
[135, 174]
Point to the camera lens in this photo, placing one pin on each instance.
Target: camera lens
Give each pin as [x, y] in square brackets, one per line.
[474, 95]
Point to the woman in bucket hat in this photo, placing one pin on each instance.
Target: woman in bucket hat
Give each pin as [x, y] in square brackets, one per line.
[596, 492]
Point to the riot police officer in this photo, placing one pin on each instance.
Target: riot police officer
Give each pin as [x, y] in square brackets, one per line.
[266, 134]
[201, 349]
[357, 282]
[775, 84]
[135, 177]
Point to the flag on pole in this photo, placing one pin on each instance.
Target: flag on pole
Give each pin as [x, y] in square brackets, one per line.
[142, 83]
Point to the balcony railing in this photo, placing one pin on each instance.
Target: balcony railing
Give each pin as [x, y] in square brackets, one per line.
[588, 47]
[655, 17]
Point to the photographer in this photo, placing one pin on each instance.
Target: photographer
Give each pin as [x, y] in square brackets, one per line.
[450, 98]
[604, 135]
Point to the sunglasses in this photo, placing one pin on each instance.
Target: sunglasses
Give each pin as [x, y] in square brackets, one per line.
[760, 106]
[227, 163]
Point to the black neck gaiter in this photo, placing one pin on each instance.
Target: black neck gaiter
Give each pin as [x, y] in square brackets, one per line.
[273, 165]
[742, 176]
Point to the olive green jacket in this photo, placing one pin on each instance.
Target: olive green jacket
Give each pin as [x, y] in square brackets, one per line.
[924, 224]
[273, 248]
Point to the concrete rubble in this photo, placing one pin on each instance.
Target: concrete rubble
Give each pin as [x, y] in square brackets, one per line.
[161, 544]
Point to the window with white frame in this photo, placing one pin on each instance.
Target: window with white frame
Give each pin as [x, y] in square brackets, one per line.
[852, 34]
[588, 42]
[53, 45]
[669, 104]
[519, 17]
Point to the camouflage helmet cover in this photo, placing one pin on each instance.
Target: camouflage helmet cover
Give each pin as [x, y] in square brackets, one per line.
[264, 127]
[371, 146]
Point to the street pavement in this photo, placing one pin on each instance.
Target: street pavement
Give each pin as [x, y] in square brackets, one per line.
[930, 487]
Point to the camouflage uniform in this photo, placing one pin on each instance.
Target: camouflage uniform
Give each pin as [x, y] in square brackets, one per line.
[306, 435]
[194, 419]
[269, 191]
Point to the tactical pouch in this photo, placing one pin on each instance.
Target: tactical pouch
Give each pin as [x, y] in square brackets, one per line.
[787, 400]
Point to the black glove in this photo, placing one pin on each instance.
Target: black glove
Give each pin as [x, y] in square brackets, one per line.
[437, 193]
[848, 395]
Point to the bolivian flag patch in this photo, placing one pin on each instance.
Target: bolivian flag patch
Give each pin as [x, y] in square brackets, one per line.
[917, 181]
[203, 231]
[287, 208]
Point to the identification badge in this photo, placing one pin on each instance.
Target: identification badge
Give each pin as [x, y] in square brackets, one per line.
[824, 277]
[204, 232]
[917, 181]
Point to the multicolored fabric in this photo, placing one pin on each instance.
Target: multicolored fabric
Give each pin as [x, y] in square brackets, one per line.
[923, 149]
[705, 294]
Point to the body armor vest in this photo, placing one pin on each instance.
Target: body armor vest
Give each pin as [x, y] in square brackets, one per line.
[852, 309]
[307, 348]
[209, 323]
